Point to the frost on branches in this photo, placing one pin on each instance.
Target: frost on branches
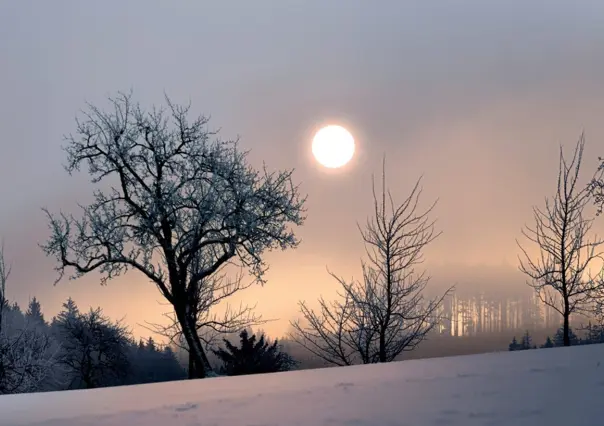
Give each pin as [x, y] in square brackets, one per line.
[173, 202]
[25, 361]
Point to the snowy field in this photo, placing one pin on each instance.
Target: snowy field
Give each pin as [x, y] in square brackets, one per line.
[549, 387]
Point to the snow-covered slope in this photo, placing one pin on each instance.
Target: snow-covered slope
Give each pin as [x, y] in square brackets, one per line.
[540, 387]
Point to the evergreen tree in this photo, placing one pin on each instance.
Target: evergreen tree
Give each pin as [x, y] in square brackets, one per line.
[34, 311]
[151, 344]
[253, 357]
[514, 346]
[70, 312]
[594, 334]
[527, 341]
[559, 337]
[548, 343]
[151, 364]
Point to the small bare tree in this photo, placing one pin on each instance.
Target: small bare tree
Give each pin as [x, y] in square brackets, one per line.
[560, 273]
[25, 358]
[178, 196]
[386, 314]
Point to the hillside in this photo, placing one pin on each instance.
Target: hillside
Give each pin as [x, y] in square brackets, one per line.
[563, 386]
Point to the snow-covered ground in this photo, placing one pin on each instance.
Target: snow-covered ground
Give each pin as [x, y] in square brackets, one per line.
[550, 387]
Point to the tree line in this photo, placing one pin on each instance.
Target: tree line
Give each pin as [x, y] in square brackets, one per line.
[87, 350]
[592, 334]
[177, 204]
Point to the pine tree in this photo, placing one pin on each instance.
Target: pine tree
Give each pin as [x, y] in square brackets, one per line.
[559, 337]
[548, 343]
[253, 357]
[151, 344]
[70, 312]
[526, 341]
[514, 346]
[594, 334]
[34, 311]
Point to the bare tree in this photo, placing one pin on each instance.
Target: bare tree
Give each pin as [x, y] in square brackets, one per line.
[560, 273]
[596, 190]
[213, 291]
[386, 314]
[178, 195]
[25, 358]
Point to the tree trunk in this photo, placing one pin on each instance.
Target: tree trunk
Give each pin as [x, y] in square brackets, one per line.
[197, 355]
[192, 370]
[383, 345]
[566, 329]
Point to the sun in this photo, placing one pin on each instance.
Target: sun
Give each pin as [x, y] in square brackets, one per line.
[333, 146]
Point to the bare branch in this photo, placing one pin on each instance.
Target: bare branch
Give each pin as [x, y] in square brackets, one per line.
[560, 273]
[172, 202]
[385, 314]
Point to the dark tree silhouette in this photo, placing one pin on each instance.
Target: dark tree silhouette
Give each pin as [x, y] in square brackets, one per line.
[594, 333]
[34, 311]
[527, 341]
[559, 273]
[25, 357]
[514, 346]
[548, 343]
[253, 357]
[386, 314]
[151, 363]
[214, 290]
[94, 349]
[559, 337]
[181, 206]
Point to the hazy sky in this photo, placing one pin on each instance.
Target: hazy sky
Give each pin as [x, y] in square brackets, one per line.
[475, 95]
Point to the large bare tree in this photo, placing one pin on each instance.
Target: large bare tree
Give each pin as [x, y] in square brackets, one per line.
[173, 202]
[559, 270]
[385, 314]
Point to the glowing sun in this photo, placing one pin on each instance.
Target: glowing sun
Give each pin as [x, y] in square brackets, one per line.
[333, 146]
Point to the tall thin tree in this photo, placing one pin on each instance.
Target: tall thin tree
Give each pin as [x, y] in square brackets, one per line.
[559, 269]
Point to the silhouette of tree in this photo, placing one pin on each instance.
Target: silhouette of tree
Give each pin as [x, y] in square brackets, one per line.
[252, 357]
[594, 333]
[185, 205]
[213, 290]
[527, 341]
[25, 357]
[514, 346]
[34, 311]
[559, 337]
[94, 349]
[548, 343]
[558, 273]
[386, 314]
[151, 363]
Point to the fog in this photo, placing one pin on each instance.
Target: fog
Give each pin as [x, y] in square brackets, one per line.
[476, 97]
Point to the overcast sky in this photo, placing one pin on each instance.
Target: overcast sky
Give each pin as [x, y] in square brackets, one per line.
[475, 95]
